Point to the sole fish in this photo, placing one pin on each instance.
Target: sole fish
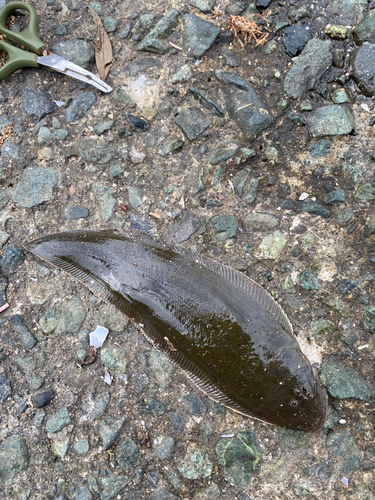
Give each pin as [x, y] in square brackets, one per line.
[223, 329]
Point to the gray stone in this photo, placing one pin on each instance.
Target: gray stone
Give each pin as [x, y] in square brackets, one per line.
[363, 72]
[351, 174]
[203, 5]
[336, 196]
[14, 457]
[309, 67]
[109, 429]
[73, 212]
[331, 120]
[224, 227]
[369, 319]
[42, 398]
[35, 187]
[110, 24]
[58, 421]
[11, 257]
[5, 387]
[61, 134]
[162, 29]
[314, 208]
[365, 30]
[64, 318]
[104, 197]
[103, 126]
[143, 65]
[44, 135]
[260, 222]
[348, 11]
[37, 104]
[152, 406]
[295, 38]
[206, 102]
[370, 226]
[82, 103]
[26, 337]
[127, 455]
[125, 30]
[146, 21]
[82, 493]
[343, 382]
[347, 285]
[244, 105]
[96, 151]
[192, 121]
[165, 448]
[82, 447]
[11, 151]
[180, 231]
[195, 465]
[194, 405]
[197, 35]
[76, 51]
[298, 12]
[96, 408]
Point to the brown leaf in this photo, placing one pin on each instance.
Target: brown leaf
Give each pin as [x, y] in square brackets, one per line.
[103, 47]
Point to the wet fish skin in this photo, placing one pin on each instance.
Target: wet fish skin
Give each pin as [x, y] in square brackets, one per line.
[224, 330]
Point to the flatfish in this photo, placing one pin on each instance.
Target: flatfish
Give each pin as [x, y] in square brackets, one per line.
[224, 330]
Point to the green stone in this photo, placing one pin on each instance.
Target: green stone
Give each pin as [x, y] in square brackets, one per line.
[331, 120]
[348, 338]
[344, 216]
[121, 96]
[114, 359]
[247, 153]
[340, 96]
[58, 421]
[14, 457]
[135, 196]
[364, 193]
[111, 318]
[251, 191]
[170, 147]
[165, 448]
[195, 465]
[288, 285]
[110, 24]
[109, 429]
[105, 199]
[337, 31]
[103, 126]
[224, 227]
[240, 179]
[269, 47]
[35, 382]
[163, 28]
[127, 455]
[309, 281]
[343, 382]
[370, 226]
[369, 319]
[183, 75]
[336, 304]
[220, 155]
[116, 170]
[239, 457]
[282, 105]
[112, 486]
[322, 327]
[64, 318]
[26, 364]
[351, 174]
[194, 183]
[305, 106]
[343, 445]
[162, 368]
[271, 246]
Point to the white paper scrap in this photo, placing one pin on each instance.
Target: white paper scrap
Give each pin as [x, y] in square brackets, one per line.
[98, 336]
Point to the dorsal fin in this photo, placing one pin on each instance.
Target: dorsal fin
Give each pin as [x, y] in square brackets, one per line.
[246, 284]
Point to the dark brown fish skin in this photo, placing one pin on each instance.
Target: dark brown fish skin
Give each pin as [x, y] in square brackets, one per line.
[235, 350]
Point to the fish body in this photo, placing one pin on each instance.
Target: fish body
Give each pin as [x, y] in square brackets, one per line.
[224, 330]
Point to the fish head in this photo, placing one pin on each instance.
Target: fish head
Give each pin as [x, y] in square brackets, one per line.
[298, 400]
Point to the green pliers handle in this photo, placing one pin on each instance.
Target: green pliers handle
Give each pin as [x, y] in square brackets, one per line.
[18, 58]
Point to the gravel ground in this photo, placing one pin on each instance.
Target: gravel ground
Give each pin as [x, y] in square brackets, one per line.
[259, 156]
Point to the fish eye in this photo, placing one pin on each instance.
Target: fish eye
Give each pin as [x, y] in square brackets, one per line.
[293, 403]
[306, 394]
